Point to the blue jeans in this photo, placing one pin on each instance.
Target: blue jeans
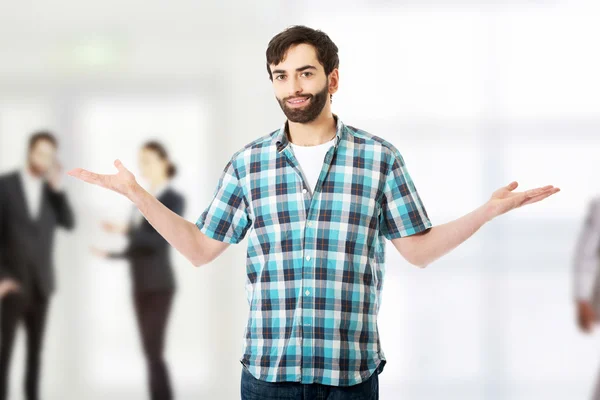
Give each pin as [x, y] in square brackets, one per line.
[255, 389]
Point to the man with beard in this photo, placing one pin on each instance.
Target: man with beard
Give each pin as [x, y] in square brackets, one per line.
[316, 198]
[32, 205]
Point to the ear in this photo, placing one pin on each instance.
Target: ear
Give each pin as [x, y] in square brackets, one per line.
[334, 80]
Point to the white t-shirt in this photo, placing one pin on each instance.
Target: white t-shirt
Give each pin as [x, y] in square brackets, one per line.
[311, 160]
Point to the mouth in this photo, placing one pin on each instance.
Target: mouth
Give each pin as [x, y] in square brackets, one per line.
[298, 101]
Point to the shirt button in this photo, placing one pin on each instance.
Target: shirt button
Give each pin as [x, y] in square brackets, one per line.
[307, 258]
[307, 292]
[304, 190]
[309, 223]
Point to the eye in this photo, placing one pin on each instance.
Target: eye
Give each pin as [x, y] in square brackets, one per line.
[307, 74]
[280, 77]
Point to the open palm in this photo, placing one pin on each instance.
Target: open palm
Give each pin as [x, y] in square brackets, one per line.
[122, 182]
[506, 199]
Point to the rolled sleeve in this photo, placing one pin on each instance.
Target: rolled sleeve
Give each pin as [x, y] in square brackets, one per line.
[226, 218]
[402, 211]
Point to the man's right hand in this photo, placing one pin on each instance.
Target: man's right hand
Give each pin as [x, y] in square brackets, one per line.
[8, 286]
[122, 182]
[586, 317]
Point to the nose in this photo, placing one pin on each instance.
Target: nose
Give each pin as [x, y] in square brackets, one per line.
[295, 86]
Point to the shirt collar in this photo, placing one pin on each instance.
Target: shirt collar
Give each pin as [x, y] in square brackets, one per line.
[280, 139]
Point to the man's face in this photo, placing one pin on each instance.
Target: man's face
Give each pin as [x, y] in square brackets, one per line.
[42, 157]
[301, 86]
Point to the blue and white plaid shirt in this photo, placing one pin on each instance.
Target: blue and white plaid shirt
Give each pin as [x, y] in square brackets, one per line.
[315, 261]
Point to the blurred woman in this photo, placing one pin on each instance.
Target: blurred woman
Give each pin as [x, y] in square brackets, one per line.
[152, 275]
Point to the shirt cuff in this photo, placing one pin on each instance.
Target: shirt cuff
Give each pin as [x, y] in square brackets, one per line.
[203, 227]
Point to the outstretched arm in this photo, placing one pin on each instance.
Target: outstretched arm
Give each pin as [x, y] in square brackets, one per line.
[148, 240]
[183, 235]
[424, 248]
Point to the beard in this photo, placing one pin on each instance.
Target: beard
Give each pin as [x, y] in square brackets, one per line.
[308, 113]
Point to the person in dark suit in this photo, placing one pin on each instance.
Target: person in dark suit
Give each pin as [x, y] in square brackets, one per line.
[32, 205]
[152, 275]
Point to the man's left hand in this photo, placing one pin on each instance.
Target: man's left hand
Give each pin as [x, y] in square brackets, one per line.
[505, 199]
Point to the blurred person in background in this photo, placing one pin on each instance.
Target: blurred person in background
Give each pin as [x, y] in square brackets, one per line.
[316, 199]
[32, 205]
[586, 277]
[152, 275]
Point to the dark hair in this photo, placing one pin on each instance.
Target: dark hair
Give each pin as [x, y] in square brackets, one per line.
[42, 135]
[159, 149]
[327, 51]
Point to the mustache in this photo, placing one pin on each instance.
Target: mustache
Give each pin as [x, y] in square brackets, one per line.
[307, 96]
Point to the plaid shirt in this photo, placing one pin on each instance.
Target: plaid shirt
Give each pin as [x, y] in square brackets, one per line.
[315, 261]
